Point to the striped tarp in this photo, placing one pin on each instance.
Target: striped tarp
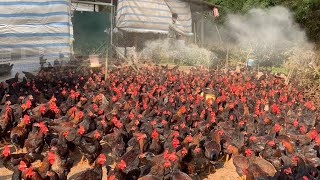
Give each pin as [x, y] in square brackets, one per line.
[152, 15]
[30, 28]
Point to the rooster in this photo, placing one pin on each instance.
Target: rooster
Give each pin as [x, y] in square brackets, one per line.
[6, 117]
[19, 133]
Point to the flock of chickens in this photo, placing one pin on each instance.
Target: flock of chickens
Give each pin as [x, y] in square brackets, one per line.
[158, 123]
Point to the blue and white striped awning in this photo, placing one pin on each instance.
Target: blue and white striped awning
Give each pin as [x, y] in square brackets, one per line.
[34, 27]
[152, 15]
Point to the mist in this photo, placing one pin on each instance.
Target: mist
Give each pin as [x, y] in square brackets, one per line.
[177, 51]
[271, 26]
[263, 32]
[265, 35]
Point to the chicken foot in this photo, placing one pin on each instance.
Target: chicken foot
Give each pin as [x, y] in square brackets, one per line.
[244, 177]
[83, 160]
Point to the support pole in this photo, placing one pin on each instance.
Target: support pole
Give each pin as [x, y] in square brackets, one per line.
[227, 57]
[202, 28]
[195, 33]
[202, 31]
[108, 46]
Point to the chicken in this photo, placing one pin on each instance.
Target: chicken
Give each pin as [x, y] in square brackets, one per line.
[178, 175]
[11, 161]
[116, 142]
[62, 145]
[131, 159]
[67, 128]
[155, 146]
[35, 141]
[117, 172]
[20, 133]
[40, 111]
[286, 143]
[29, 75]
[29, 173]
[6, 117]
[13, 80]
[156, 123]
[90, 148]
[259, 167]
[141, 139]
[240, 162]
[212, 147]
[95, 173]
[61, 166]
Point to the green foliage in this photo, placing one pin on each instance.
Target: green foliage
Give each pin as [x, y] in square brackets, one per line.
[306, 12]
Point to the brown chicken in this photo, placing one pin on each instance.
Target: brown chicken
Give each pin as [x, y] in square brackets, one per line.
[6, 117]
[90, 148]
[212, 146]
[20, 132]
[155, 146]
[35, 141]
[94, 173]
[28, 172]
[42, 167]
[240, 162]
[11, 161]
[131, 159]
[260, 168]
[117, 172]
[59, 165]
[178, 175]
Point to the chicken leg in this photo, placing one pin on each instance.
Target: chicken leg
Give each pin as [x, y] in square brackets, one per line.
[227, 158]
[84, 160]
[244, 177]
[17, 150]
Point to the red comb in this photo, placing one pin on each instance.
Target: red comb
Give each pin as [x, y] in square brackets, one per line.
[81, 130]
[155, 134]
[175, 142]
[96, 134]
[122, 165]
[6, 152]
[51, 157]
